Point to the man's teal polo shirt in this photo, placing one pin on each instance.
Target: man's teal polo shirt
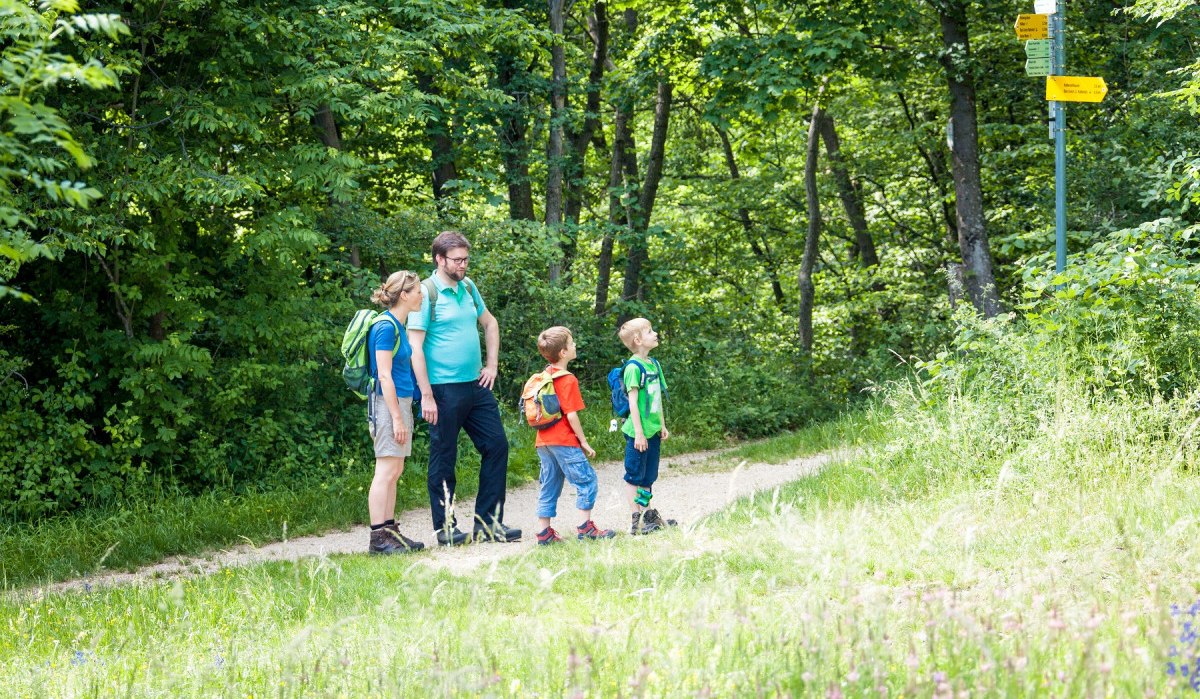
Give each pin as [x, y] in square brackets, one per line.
[452, 345]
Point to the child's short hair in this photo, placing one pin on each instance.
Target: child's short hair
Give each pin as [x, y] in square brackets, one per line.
[553, 342]
[631, 331]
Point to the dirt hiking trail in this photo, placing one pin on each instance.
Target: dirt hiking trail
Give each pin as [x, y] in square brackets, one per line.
[690, 487]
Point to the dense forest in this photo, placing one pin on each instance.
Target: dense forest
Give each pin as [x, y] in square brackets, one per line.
[809, 199]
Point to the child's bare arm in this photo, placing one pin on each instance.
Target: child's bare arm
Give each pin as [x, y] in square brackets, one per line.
[577, 428]
[639, 435]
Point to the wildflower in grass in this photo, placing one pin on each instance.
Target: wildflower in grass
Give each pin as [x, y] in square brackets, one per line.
[1185, 655]
[1056, 623]
[80, 658]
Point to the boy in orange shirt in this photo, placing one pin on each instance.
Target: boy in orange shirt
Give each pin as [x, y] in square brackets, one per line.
[562, 448]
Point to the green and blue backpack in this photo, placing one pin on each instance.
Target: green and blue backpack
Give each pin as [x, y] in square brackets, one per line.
[357, 370]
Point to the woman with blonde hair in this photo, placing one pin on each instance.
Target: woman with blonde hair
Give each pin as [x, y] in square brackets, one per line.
[389, 408]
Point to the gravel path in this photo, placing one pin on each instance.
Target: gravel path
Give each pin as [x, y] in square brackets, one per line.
[690, 487]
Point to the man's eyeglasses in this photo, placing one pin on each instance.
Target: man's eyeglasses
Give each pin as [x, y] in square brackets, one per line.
[459, 260]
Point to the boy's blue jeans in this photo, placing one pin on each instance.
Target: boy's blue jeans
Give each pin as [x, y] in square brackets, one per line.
[641, 467]
[570, 464]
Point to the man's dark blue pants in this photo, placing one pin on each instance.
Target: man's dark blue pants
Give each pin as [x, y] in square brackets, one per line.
[471, 407]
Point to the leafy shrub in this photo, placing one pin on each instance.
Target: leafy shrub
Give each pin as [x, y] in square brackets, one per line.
[1122, 319]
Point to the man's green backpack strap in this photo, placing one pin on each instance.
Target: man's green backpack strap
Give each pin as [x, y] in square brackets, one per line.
[357, 370]
[431, 293]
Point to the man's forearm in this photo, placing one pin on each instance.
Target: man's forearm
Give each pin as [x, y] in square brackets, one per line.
[492, 342]
[420, 369]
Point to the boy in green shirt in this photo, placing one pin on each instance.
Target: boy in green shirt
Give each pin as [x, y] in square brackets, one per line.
[646, 427]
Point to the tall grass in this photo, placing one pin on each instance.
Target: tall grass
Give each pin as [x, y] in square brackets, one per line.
[993, 538]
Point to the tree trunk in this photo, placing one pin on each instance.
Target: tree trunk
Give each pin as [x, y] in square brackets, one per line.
[441, 145]
[640, 223]
[936, 167]
[809, 261]
[979, 280]
[575, 164]
[558, 104]
[617, 215]
[850, 194]
[575, 173]
[514, 147]
[747, 224]
[331, 136]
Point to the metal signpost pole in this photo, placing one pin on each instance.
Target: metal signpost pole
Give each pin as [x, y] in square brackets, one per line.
[1058, 121]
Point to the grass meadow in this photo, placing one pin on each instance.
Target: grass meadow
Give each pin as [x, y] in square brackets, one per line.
[964, 548]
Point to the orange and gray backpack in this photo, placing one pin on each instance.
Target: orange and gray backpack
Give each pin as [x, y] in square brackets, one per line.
[539, 403]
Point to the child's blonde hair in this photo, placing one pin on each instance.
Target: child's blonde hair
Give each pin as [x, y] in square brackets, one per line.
[553, 342]
[632, 331]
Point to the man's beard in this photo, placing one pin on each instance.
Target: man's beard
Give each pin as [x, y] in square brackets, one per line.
[457, 275]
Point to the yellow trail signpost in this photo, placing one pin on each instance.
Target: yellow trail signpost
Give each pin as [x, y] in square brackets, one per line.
[1071, 88]
[1044, 34]
[1032, 27]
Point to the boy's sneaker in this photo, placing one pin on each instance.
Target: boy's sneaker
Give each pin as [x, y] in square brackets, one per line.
[589, 530]
[548, 536]
[652, 515]
[642, 524]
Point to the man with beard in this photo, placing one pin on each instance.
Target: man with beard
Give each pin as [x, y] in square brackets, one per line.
[456, 391]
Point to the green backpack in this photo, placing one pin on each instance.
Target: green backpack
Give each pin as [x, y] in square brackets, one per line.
[357, 371]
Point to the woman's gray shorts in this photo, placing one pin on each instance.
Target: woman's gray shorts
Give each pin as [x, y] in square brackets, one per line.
[379, 421]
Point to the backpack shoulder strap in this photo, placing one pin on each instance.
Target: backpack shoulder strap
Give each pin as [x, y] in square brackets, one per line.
[473, 291]
[641, 367]
[431, 293]
[395, 324]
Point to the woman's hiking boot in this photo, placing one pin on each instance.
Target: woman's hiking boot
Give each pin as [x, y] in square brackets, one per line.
[589, 530]
[410, 543]
[548, 536]
[389, 540]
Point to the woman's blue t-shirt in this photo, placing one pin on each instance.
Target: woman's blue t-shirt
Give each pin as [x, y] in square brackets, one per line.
[383, 337]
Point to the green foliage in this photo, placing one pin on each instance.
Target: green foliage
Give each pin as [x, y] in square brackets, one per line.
[34, 137]
[1130, 305]
[1123, 319]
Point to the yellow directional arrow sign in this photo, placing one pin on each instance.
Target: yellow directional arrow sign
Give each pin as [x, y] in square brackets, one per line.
[1032, 27]
[1071, 88]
